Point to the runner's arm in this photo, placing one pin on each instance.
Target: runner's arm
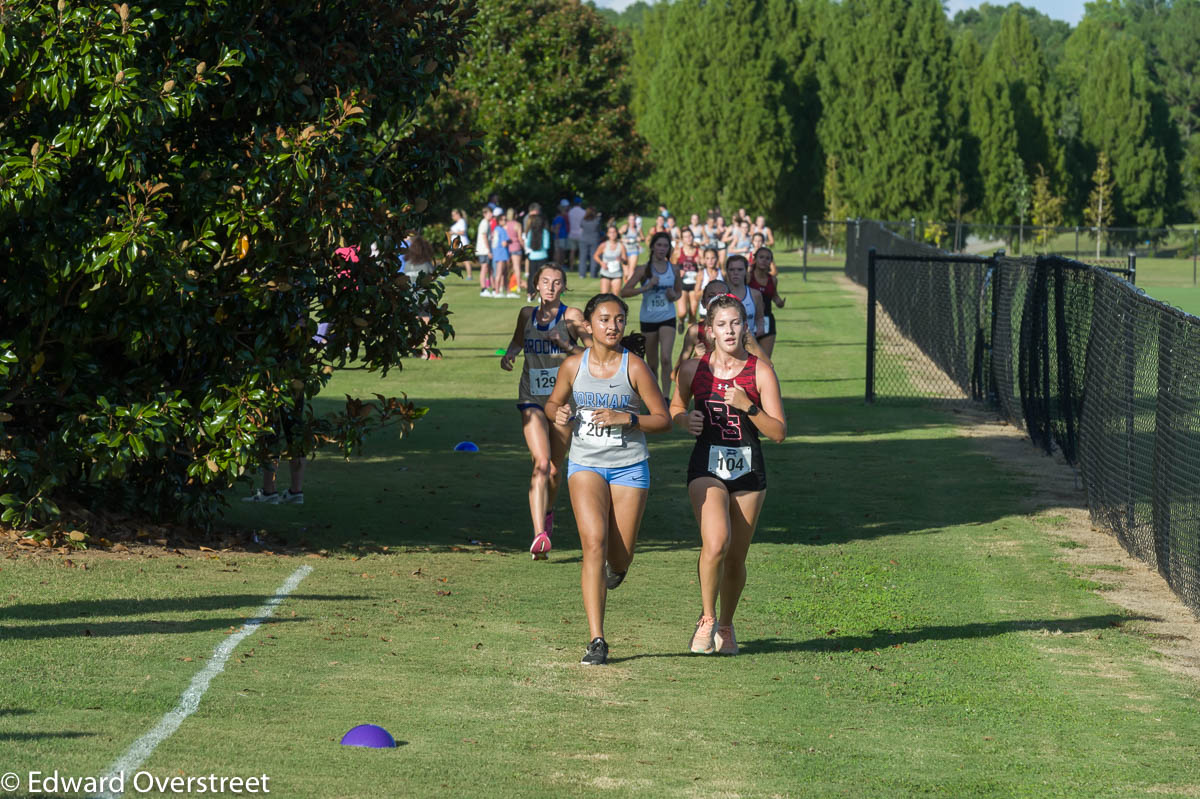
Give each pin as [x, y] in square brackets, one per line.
[559, 402]
[691, 421]
[630, 289]
[646, 386]
[514, 346]
[770, 419]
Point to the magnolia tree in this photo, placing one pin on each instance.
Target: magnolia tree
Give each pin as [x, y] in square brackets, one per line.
[176, 184]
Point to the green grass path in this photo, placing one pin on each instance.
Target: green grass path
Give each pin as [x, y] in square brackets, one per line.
[906, 629]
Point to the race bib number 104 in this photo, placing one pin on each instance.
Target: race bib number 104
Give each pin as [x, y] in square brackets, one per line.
[728, 463]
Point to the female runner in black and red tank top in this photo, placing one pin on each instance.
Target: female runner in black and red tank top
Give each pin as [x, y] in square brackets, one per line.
[736, 398]
[761, 278]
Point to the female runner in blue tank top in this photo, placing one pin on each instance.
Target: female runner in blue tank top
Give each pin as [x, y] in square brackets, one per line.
[736, 397]
[608, 468]
[546, 335]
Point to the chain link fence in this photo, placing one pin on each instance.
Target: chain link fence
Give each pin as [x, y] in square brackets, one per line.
[1069, 351]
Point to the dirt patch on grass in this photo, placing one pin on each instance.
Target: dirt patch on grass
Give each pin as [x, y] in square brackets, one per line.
[1055, 496]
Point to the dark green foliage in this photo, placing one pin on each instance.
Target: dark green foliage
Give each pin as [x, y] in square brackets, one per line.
[729, 105]
[886, 107]
[986, 22]
[631, 19]
[1121, 113]
[173, 185]
[547, 86]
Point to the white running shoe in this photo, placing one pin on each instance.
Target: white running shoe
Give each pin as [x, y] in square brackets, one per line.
[266, 499]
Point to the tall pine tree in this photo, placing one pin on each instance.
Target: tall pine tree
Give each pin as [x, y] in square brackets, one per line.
[1015, 58]
[885, 93]
[1121, 113]
[723, 108]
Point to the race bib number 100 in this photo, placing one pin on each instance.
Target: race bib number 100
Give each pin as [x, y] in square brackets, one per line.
[605, 436]
[728, 463]
[541, 381]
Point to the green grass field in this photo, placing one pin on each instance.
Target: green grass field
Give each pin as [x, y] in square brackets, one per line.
[909, 628]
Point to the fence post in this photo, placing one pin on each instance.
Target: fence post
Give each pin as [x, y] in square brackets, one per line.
[912, 226]
[992, 386]
[804, 268]
[1133, 268]
[870, 325]
[1194, 256]
[1077, 242]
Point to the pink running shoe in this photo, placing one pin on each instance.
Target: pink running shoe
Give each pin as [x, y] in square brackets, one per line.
[724, 641]
[540, 548]
[702, 639]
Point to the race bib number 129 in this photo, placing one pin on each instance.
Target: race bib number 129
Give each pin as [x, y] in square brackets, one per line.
[541, 381]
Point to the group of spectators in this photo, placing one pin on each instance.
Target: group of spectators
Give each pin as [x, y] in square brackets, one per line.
[510, 245]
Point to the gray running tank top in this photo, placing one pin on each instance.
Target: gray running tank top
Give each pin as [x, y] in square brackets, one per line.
[610, 446]
[655, 305]
[542, 359]
[748, 304]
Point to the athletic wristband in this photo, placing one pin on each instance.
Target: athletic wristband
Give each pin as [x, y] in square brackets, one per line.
[633, 420]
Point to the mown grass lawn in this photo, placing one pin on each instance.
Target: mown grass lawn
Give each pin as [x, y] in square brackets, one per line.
[908, 627]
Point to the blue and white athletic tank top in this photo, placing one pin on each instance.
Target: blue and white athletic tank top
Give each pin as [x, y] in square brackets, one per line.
[542, 358]
[605, 446]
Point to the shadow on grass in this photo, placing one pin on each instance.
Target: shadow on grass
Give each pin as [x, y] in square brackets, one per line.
[871, 471]
[134, 607]
[15, 711]
[39, 736]
[884, 639]
[107, 629]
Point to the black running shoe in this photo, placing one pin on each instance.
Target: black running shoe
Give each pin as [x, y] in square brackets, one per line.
[597, 653]
[611, 578]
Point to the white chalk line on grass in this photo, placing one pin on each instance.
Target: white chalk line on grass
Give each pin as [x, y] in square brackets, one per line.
[142, 748]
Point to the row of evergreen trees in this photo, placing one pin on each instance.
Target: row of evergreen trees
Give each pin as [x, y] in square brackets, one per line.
[886, 108]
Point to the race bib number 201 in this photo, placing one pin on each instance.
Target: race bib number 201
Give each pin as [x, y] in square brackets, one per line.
[541, 381]
[605, 436]
[728, 463]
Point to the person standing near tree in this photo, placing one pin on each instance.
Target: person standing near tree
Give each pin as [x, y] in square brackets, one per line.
[575, 220]
[589, 239]
[561, 227]
[500, 257]
[516, 252]
[537, 245]
[726, 399]
[483, 251]
[457, 235]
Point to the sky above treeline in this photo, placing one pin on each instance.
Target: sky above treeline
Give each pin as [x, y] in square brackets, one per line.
[1067, 10]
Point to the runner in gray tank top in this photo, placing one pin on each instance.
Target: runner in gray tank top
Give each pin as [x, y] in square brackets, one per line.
[660, 285]
[546, 335]
[608, 469]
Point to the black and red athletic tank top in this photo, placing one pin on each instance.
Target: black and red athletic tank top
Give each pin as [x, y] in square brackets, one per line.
[767, 291]
[688, 264]
[725, 425]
